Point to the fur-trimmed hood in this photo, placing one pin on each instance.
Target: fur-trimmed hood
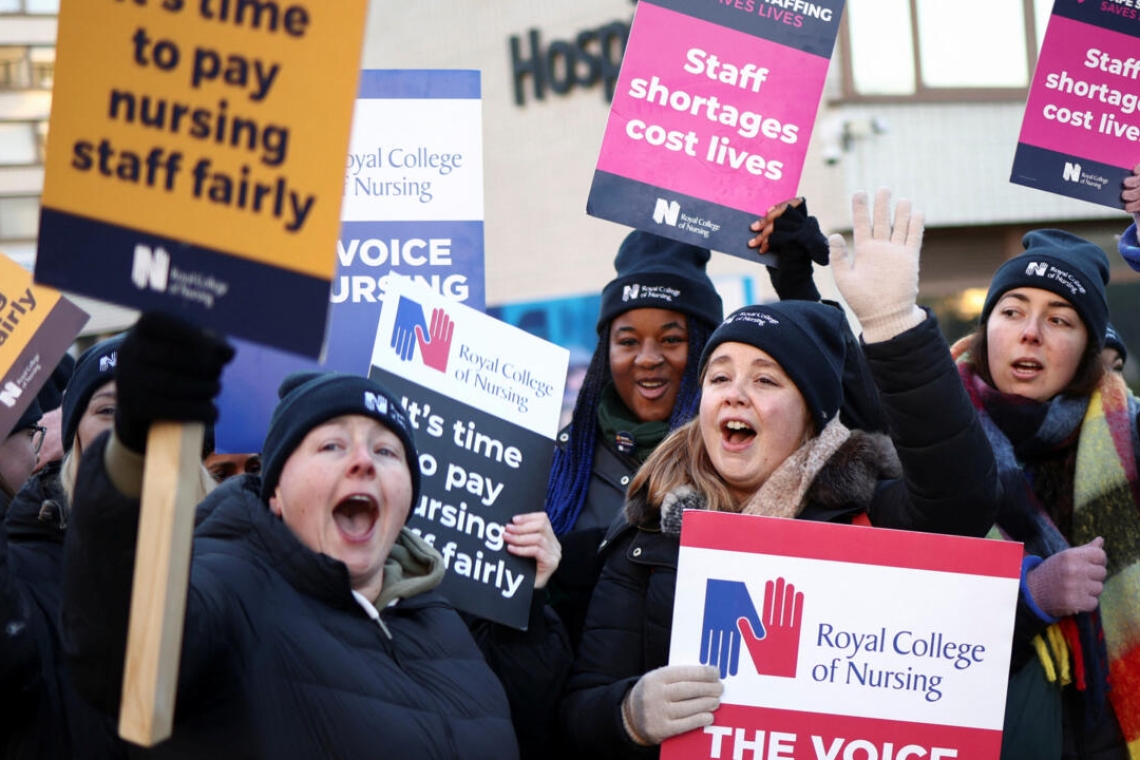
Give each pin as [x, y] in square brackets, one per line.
[845, 483]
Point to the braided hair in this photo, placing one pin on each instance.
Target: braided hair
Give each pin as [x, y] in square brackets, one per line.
[574, 463]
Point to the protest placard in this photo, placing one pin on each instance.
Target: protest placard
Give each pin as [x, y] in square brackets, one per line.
[712, 116]
[1080, 135]
[37, 326]
[836, 641]
[197, 169]
[484, 398]
[413, 205]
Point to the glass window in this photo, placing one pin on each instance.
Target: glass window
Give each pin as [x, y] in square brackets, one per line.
[950, 36]
[48, 7]
[19, 217]
[882, 57]
[17, 144]
[930, 48]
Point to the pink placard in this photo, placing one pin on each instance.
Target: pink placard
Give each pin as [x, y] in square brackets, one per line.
[712, 112]
[1077, 104]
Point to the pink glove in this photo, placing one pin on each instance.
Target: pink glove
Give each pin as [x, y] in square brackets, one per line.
[1070, 581]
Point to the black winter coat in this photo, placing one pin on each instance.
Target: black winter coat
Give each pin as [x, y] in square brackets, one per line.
[44, 716]
[570, 587]
[948, 484]
[279, 660]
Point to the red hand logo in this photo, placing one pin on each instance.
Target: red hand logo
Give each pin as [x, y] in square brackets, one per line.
[436, 351]
[777, 652]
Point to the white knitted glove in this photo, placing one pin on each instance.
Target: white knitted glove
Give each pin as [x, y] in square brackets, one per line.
[670, 701]
[880, 282]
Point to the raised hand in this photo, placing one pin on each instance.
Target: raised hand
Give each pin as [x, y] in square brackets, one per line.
[167, 370]
[775, 651]
[409, 316]
[435, 349]
[879, 278]
[726, 602]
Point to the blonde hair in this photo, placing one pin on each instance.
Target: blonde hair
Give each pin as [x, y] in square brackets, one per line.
[69, 471]
[681, 460]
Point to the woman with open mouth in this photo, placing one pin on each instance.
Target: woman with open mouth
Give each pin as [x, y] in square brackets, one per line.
[312, 627]
[1064, 432]
[768, 440]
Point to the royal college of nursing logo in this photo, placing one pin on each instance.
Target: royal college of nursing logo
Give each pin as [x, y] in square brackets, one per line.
[772, 636]
[411, 330]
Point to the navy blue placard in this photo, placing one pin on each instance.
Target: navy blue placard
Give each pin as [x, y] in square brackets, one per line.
[675, 215]
[1069, 175]
[217, 290]
[807, 26]
[1097, 13]
[456, 519]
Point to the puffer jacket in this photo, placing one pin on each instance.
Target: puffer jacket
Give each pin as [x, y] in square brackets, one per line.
[44, 716]
[936, 473]
[279, 660]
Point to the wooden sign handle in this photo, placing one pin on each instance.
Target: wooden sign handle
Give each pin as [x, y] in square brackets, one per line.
[162, 571]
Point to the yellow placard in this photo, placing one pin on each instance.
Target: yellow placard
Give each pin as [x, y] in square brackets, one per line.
[222, 123]
[23, 309]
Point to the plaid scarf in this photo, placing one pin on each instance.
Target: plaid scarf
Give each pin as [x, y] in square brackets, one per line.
[1103, 647]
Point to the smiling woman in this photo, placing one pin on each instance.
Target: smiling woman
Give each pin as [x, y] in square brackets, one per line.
[769, 440]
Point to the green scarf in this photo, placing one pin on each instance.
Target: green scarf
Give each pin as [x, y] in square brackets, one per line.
[615, 417]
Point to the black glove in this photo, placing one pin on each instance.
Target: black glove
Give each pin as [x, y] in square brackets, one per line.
[166, 370]
[797, 241]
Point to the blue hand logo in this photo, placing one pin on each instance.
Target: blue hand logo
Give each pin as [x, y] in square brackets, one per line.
[409, 316]
[726, 602]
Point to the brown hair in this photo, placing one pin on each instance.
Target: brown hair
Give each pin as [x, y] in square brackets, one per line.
[681, 460]
[1084, 381]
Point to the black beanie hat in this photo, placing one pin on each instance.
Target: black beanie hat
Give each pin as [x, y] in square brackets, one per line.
[1112, 339]
[95, 368]
[658, 273]
[309, 399]
[806, 340]
[29, 418]
[1061, 263]
[51, 394]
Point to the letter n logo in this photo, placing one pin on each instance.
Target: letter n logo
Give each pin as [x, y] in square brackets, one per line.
[10, 393]
[150, 267]
[1037, 269]
[629, 292]
[666, 212]
[375, 403]
[1072, 172]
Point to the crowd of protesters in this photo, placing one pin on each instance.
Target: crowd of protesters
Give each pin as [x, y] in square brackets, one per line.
[313, 625]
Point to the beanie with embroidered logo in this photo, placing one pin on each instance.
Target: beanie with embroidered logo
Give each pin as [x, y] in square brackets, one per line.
[309, 399]
[658, 273]
[804, 337]
[1063, 264]
[94, 369]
